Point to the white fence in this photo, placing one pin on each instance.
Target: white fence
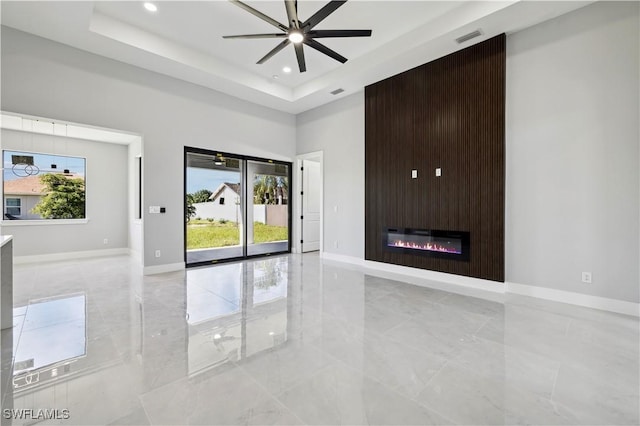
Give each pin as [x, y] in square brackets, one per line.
[269, 214]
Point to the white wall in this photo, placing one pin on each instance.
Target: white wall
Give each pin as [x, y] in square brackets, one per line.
[136, 241]
[44, 78]
[106, 201]
[572, 152]
[572, 155]
[337, 129]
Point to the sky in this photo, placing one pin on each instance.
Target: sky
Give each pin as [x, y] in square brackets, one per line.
[53, 331]
[43, 162]
[198, 179]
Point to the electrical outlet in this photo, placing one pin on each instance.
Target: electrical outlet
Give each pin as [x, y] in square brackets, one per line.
[335, 244]
[157, 253]
[106, 241]
[586, 277]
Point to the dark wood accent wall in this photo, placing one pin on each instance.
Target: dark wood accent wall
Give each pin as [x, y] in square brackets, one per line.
[449, 113]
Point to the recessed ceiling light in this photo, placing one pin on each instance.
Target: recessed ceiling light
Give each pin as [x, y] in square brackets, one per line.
[296, 37]
[286, 69]
[151, 7]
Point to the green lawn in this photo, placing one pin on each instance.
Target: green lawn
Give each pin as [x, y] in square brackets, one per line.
[205, 234]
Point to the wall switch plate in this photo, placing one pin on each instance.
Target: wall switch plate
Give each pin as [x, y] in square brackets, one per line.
[438, 172]
[154, 209]
[106, 241]
[157, 253]
[586, 277]
[414, 174]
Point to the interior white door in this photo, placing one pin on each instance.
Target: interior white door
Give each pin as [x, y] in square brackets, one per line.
[311, 205]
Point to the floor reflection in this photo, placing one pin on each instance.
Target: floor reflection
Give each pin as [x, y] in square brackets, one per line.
[296, 340]
[53, 337]
[146, 332]
[235, 311]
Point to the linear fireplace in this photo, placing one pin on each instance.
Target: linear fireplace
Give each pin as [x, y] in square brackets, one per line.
[427, 242]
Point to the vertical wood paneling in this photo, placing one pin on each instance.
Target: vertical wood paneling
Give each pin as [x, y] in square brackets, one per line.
[448, 113]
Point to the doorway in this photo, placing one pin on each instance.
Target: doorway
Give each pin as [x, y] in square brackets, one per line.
[235, 207]
[310, 205]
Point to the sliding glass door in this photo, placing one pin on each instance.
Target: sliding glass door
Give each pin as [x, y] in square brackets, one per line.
[235, 206]
[268, 209]
[213, 203]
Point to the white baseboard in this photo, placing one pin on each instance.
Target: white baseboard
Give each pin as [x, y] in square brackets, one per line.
[425, 274]
[579, 299]
[161, 269]
[422, 274]
[52, 257]
[342, 258]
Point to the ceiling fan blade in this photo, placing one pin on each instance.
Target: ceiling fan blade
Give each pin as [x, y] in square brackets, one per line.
[279, 35]
[324, 49]
[320, 15]
[339, 33]
[260, 15]
[292, 13]
[300, 55]
[275, 50]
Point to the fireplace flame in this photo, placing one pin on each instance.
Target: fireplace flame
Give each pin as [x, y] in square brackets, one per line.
[425, 246]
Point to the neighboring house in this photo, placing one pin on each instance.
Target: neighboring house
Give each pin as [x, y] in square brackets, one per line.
[20, 196]
[224, 204]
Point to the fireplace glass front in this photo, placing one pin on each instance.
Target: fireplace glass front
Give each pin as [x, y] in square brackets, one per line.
[436, 243]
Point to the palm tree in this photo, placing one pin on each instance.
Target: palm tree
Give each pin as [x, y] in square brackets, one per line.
[266, 189]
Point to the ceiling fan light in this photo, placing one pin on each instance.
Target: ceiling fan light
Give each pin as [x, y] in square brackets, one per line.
[296, 37]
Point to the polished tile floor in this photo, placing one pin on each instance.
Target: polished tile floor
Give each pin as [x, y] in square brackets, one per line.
[296, 340]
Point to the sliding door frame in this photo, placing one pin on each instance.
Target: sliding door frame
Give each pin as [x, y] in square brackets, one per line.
[245, 204]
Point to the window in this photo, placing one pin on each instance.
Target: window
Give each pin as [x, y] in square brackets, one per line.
[222, 201]
[43, 186]
[12, 207]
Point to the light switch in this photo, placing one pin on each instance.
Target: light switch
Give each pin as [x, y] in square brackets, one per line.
[414, 174]
[438, 172]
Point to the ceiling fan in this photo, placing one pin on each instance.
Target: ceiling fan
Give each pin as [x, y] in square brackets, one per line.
[300, 33]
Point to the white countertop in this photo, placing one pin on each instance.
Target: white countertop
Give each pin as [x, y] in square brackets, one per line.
[4, 239]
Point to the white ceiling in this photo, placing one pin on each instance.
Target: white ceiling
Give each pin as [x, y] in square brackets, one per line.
[183, 39]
